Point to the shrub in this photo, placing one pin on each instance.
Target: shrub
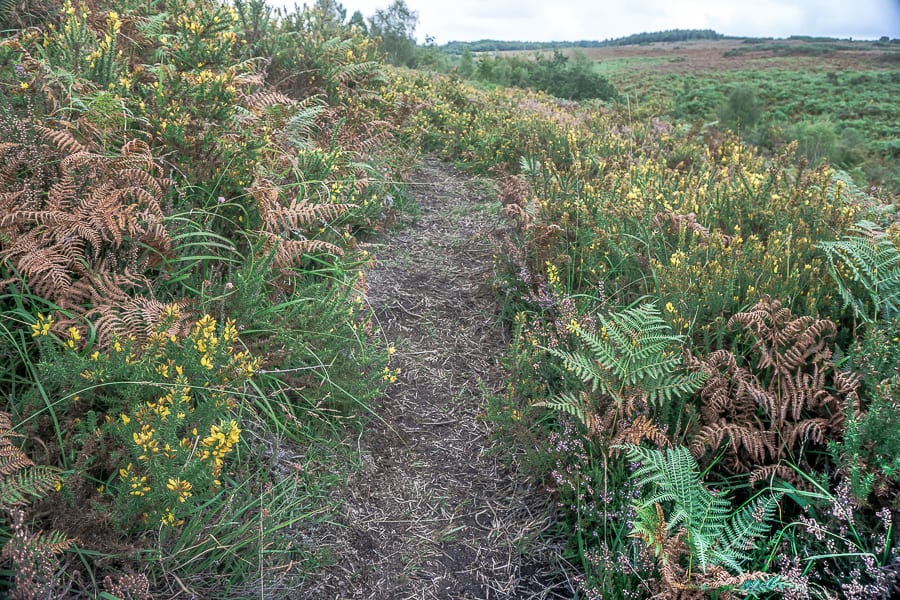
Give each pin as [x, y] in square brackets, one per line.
[154, 422]
[818, 140]
[741, 111]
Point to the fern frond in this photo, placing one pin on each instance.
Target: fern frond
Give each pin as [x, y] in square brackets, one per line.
[136, 317]
[259, 101]
[62, 140]
[796, 408]
[640, 429]
[27, 483]
[754, 444]
[675, 385]
[569, 404]
[866, 269]
[297, 215]
[714, 535]
[300, 127]
[746, 526]
[288, 253]
[590, 371]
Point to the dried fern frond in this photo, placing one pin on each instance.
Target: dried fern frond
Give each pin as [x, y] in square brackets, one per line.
[688, 222]
[34, 559]
[285, 227]
[789, 398]
[136, 317]
[258, 101]
[640, 429]
[297, 215]
[78, 219]
[62, 140]
[289, 253]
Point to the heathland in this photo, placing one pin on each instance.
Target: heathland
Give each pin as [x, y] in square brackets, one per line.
[295, 308]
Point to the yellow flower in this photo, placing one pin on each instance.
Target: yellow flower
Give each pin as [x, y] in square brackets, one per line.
[42, 325]
[144, 440]
[169, 519]
[181, 487]
[23, 85]
[74, 336]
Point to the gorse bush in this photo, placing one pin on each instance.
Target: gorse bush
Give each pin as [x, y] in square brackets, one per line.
[612, 211]
[182, 185]
[155, 422]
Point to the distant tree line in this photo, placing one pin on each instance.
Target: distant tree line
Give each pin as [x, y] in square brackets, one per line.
[671, 35]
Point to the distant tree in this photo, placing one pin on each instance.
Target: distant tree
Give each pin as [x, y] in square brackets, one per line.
[484, 70]
[741, 111]
[466, 64]
[357, 20]
[428, 56]
[556, 74]
[396, 26]
[332, 11]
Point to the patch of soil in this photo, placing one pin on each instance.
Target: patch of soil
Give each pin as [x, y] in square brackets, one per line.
[433, 512]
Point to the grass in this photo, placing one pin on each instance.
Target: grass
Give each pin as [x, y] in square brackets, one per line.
[216, 314]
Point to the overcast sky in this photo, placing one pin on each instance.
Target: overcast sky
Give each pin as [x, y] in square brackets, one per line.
[547, 20]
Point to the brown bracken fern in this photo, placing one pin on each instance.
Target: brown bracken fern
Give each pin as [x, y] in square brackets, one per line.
[791, 396]
[78, 228]
[286, 226]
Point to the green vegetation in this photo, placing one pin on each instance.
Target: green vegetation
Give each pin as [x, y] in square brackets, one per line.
[564, 77]
[764, 267]
[703, 309]
[844, 117]
[183, 186]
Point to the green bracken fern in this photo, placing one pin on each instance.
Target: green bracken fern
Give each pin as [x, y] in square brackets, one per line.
[634, 357]
[713, 536]
[20, 479]
[866, 268]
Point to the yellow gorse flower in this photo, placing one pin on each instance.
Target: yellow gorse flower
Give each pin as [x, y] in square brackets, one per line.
[221, 440]
[42, 325]
[180, 487]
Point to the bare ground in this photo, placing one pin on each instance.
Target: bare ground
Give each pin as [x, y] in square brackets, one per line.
[434, 513]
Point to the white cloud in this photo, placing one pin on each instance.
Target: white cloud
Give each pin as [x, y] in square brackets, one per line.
[540, 20]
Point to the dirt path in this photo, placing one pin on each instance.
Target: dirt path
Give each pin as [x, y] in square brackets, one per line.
[433, 513]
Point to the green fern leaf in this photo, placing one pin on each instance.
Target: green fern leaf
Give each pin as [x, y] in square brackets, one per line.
[743, 529]
[715, 535]
[568, 403]
[30, 482]
[866, 269]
